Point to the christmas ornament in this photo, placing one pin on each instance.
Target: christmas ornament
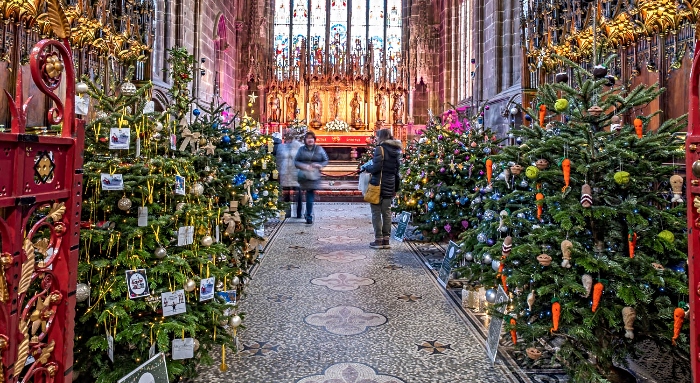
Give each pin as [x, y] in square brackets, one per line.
[124, 204]
[516, 169]
[566, 247]
[566, 170]
[495, 265]
[235, 321]
[196, 345]
[489, 170]
[486, 259]
[180, 206]
[524, 184]
[530, 299]
[622, 177]
[599, 71]
[595, 111]
[628, 317]
[206, 241]
[160, 252]
[465, 224]
[513, 333]
[533, 353]
[678, 317]
[542, 164]
[677, 187]
[667, 236]
[631, 242]
[128, 89]
[556, 312]
[586, 199]
[638, 127]
[491, 296]
[532, 172]
[196, 112]
[220, 286]
[506, 247]
[544, 259]
[597, 294]
[448, 228]
[469, 257]
[561, 105]
[561, 77]
[543, 112]
[539, 198]
[81, 88]
[235, 281]
[481, 237]
[82, 292]
[189, 285]
[197, 189]
[502, 227]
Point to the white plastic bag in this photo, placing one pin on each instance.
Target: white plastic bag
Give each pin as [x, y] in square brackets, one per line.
[363, 182]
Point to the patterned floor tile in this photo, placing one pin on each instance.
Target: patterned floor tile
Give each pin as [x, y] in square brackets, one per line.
[433, 347]
[342, 281]
[409, 298]
[345, 320]
[340, 239]
[258, 349]
[341, 256]
[350, 373]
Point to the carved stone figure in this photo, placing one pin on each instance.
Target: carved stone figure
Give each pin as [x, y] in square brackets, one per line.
[291, 108]
[355, 104]
[398, 108]
[274, 108]
[335, 105]
[316, 108]
[380, 102]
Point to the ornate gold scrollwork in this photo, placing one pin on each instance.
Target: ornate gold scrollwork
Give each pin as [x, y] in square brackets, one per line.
[5, 261]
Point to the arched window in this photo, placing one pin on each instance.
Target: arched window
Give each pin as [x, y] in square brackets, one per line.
[320, 29]
[220, 45]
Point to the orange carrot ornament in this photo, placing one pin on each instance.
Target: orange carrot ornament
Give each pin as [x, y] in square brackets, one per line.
[556, 313]
[632, 242]
[540, 201]
[543, 111]
[513, 333]
[638, 127]
[678, 317]
[566, 169]
[489, 169]
[597, 294]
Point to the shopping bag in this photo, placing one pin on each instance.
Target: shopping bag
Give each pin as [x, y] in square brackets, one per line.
[372, 194]
[363, 182]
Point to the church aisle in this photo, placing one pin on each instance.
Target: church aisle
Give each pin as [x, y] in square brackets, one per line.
[323, 305]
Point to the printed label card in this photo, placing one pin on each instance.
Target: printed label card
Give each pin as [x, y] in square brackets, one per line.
[183, 348]
[173, 142]
[119, 138]
[82, 105]
[179, 185]
[150, 107]
[185, 235]
[137, 283]
[110, 347]
[230, 296]
[143, 216]
[173, 303]
[111, 181]
[206, 289]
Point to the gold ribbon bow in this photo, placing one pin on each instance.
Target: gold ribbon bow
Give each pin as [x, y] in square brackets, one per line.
[189, 138]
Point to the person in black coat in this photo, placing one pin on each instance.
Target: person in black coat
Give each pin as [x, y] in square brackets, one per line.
[384, 168]
[310, 159]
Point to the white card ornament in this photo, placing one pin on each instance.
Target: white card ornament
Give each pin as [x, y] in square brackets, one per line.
[206, 289]
[150, 107]
[143, 216]
[173, 303]
[229, 296]
[179, 185]
[119, 138]
[152, 350]
[218, 233]
[110, 347]
[185, 235]
[111, 181]
[82, 105]
[183, 348]
[137, 283]
[173, 142]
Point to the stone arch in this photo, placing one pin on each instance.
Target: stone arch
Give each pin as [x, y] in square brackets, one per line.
[220, 45]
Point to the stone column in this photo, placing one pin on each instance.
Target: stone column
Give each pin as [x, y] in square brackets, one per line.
[263, 101]
[411, 89]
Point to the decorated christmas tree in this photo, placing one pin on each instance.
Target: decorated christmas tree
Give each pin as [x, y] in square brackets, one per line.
[596, 224]
[442, 171]
[149, 262]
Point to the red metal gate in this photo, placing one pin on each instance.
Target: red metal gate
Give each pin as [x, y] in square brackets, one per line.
[692, 162]
[40, 202]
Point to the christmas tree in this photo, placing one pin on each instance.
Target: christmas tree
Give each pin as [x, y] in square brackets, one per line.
[149, 262]
[442, 170]
[597, 234]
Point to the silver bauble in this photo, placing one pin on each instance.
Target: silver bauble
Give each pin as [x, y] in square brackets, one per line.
[189, 285]
[469, 256]
[124, 204]
[495, 264]
[491, 296]
[502, 176]
[180, 206]
[158, 127]
[486, 259]
[265, 193]
[81, 88]
[128, 89]
[197, 189]
[481, 237]
[156, 136]
[523, 184]
[235, 321]
[160, 253]
[220, 286]
[82, 292]
[235, 281]
[207, 240]
[488, 189]
[196, 345]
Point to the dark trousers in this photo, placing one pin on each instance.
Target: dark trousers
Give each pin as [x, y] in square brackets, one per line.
[310, 194]
[293, 194]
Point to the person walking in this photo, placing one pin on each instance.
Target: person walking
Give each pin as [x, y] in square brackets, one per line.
[310, 159]
[286, 153]
[384, 168]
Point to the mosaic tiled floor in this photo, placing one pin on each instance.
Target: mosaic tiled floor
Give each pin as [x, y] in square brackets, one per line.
[323, 306]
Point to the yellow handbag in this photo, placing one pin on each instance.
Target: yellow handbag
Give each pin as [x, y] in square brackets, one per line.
[373, 191]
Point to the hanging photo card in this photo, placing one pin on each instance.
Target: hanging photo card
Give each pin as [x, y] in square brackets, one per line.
[110, 347]
[82, 105]
[400, 231]
[150, 107]
[206, 289]
[143, 216]
[179, 185]
[111, 181]
[183, 348]
[137, 283]
[173, 142]
[119, 138]
[173, 303]
[185, 235]
[154, 370]
[448, 263]
[230, 296]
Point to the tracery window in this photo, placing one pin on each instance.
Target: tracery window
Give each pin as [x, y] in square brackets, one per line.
[332, 30]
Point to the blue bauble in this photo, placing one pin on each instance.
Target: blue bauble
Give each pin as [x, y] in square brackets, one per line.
[444, 204]
[420, 202]
[255, 196]
[528, 118]
[519, 140]
[490, 242]
[480, 120]
[196, 112]
[215, 125]
[431, 205]
[226, 139]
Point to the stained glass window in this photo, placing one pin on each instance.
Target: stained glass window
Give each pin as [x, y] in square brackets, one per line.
[322, 25]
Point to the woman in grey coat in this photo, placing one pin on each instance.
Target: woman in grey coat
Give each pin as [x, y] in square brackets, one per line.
[286, 153]
[310, 159]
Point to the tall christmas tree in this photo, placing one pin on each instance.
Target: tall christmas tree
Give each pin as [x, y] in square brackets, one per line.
[598, 245]
[442, 170]
[148, 256]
